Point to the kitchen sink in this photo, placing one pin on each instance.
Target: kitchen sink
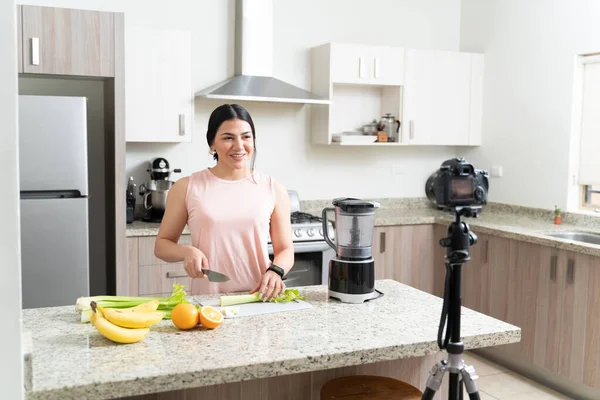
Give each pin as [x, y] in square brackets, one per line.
[590, 238]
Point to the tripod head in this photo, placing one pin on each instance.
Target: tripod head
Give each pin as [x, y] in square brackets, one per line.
[460, 237]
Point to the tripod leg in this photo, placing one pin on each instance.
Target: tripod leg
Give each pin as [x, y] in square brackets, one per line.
[436, 375]
[453, 388]
[469, 377]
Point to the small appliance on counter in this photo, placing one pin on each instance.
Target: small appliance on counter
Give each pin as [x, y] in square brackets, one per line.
[156, 190]
[352, 270]
[130, 200]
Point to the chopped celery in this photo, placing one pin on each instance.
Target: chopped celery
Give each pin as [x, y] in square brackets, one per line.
[287, 296]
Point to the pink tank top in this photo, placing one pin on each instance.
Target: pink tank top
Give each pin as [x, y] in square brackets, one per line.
[229, 222]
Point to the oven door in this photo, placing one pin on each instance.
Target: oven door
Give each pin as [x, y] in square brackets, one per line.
[311, 264]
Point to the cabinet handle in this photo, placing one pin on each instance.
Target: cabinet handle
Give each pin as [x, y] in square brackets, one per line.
[376, 67]
[411, 129]
[553, 260]
[176, 275]
[361, 67]
[181, 124]
[35, 51]
[571, 271]
[382, 242]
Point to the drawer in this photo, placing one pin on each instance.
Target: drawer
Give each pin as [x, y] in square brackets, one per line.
[146, 249]
[161, 278]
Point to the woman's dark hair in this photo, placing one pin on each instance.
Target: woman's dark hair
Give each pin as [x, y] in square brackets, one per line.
[227, 112]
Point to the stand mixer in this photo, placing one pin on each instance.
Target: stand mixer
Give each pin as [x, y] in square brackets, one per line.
[352, 270]
[156, 190]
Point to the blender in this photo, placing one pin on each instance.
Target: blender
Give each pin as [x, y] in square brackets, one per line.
[352, 270]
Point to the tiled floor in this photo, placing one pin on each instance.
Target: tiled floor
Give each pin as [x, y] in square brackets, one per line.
[498, 383]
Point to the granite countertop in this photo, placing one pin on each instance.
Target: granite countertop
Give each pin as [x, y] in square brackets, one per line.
[72, 360]
[141, 228]
[512, 222]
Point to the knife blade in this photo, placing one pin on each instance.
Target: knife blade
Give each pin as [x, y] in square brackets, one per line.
[214, 276]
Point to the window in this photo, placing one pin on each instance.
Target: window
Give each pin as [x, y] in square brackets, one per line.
[589, 130]
[591, 196]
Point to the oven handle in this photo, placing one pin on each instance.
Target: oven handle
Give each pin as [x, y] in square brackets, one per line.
[306, 247]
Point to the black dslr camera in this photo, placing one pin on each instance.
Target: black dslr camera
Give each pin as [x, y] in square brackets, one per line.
[458, 185]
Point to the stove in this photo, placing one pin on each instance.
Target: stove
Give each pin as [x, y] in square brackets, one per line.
[311, 251]
[305, 227]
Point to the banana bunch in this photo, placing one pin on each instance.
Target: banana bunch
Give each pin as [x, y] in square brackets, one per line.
[128, 325]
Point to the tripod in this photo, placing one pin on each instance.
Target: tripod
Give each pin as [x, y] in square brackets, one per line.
[458, 241]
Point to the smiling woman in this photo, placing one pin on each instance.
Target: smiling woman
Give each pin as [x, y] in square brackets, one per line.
[230, 210]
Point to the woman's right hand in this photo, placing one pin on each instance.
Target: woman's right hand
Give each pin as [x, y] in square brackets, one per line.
[193, 261]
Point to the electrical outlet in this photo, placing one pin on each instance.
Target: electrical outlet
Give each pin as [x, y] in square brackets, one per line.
[497, 170]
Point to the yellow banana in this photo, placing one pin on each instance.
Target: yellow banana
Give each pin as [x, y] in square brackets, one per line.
[116, 333]
[149, 306]
[133, 319]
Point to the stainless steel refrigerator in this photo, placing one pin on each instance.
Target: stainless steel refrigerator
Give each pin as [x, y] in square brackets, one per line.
[54, 200]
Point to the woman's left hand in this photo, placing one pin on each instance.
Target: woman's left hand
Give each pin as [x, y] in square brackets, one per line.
[269, 286]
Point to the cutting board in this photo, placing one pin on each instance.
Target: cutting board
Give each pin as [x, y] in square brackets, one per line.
[259, 308]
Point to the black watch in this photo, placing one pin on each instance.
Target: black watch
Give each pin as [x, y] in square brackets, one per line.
[278, 270]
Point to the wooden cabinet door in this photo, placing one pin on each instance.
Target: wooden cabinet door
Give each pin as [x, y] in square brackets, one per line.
[414, 258]
[127, 278]
[382, 254]
[501, 255]
[160, 100]
[404, 253]
[573, 345]
[591, 357]
[437, 97]
[439, 260]
[475, 274]
[522, 296]
[156, 277]
[62, 41]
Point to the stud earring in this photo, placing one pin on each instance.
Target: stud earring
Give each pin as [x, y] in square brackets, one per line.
[212, 151]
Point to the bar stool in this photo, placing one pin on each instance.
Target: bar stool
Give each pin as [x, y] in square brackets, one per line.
[367, 387]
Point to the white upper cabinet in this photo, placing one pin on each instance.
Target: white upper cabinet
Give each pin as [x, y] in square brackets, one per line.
[364, 64]
[159, 96]
[442, 98]
[436, 95]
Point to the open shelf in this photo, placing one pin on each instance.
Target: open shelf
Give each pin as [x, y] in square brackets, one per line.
[353, 106]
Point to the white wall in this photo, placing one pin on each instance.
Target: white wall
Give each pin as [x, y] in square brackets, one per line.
[282, 130]
[529, 49]
[11, 365]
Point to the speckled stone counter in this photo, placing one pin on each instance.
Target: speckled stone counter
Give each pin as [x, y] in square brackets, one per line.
[73, 361]
[512, 222]
[141, 228]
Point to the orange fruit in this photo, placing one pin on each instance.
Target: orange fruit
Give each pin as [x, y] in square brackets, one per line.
[210, 317]
[185, 316]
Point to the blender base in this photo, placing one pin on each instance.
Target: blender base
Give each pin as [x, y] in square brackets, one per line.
[352, 281]
[355, 298]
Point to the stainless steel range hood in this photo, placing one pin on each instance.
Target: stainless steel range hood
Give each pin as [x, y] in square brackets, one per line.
[253, 80]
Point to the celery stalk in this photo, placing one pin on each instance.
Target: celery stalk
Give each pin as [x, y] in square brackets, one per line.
[287, 296]
[239, 299]
[165, 304]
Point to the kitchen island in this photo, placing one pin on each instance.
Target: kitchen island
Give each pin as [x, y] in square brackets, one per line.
[284, 355]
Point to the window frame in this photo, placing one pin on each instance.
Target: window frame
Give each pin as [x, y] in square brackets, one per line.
[586, 194]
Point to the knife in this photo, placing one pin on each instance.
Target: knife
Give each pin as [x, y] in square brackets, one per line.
[214, 276]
